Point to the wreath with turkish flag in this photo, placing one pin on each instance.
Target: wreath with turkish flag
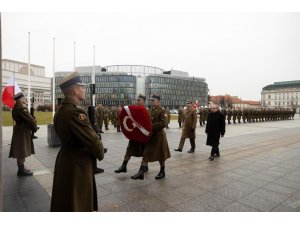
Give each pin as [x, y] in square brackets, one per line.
[135, 123]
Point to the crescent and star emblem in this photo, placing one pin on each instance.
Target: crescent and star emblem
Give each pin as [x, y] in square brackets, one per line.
[125, 124]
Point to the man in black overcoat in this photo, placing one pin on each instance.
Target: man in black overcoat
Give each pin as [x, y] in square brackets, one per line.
[214, 129]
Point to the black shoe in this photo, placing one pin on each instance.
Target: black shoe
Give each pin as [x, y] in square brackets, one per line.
[22, 172]
[178, 150]
[140, 174]
[101, 131]
[122, 169]
[211, 158]
[161, 173]
[34, 137]
[98, 170]
[146, 169]
[191, 150]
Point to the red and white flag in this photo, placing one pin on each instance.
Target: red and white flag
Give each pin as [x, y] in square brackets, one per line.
[11, 89]
[196, 104]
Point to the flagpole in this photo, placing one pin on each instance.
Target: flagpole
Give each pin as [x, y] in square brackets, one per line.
[74, 56]
[29, 83]
[53, 80]
[93, 77]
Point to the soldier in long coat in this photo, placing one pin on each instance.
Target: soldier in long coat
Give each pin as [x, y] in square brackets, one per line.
[189, 128]
[180, 116]
[214, 129]
[134, 148]
[100, 116]
[157, 148]
[74, 187]
[201, 116]
[168, 117]
[117, 118]
[21, 143]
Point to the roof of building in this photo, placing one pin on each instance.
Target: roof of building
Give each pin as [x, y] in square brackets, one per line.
[233, 100]
[23, 63]
[283, 84]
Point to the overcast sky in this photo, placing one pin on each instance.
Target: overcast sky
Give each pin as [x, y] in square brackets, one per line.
[237, 53]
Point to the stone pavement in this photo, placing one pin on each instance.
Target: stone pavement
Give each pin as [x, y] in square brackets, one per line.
[259, 170]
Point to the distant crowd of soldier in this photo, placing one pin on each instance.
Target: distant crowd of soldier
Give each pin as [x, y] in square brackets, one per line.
[110, 115]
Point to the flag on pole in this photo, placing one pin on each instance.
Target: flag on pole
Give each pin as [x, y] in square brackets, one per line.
[196, 104]
[11, 89]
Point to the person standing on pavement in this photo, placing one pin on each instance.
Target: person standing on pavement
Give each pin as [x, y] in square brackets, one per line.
[214, 129]
[189, 128]
[74, 187]
[157, 148]
[134, 148]
[180, 116]
[21, 143]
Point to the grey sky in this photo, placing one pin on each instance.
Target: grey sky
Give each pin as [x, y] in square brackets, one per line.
[237, 53]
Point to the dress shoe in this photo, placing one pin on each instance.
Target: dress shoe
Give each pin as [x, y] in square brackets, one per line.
[123, 167]
[161, 173]
[140, 174]
[191, 150]
[98, 170]
[211, 158]
[178, 150]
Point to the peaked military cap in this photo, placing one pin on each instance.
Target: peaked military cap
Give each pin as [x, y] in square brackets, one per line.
[70, 79]
[155, 97]
[141, 97]
[18, 96]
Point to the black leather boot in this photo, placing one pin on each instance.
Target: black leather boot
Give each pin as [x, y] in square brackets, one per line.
[146, 169]
[22, 172]
[178, 150]
[140, 174]
[98, 170]
[161, 173]
[123, 168]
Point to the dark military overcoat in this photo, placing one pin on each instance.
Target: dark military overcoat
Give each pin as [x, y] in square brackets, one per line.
[157, 148]
[21, 143]
[74, 187]
[189, 125]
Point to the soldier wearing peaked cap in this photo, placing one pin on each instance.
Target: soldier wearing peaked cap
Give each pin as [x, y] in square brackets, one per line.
[189, 127]
[21, 143]
[134, 148]
[74, 187]
[157, 148]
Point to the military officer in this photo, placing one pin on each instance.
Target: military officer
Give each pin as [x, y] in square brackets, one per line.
[180, 116]
[156, 149]
[134, 148]
[234, 115]
[189, 127]
[21, 143]
[201, 116]
[100, 114]
[117, 118]
[229, 115]
[74, 187]
[106, 117]
[239, 114]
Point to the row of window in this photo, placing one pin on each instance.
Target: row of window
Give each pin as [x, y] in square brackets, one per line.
[167, 80]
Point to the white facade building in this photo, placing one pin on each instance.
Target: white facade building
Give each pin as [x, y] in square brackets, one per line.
[282, 95]
[40, 85]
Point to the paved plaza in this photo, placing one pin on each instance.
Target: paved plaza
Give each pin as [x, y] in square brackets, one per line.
[259, 170]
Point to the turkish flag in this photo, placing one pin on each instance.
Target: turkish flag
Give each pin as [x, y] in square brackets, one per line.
[136, 123]
[11, 89]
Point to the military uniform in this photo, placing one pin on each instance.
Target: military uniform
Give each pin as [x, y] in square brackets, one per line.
[106, 117]
[201, 117]
[234, 115]
[229, 115]
[189, 128]
[100, 116]
[157, 148]
[180, 116]
[74, 187]
[21, 143]
[168, 117]
[117, 118]
[134, 148]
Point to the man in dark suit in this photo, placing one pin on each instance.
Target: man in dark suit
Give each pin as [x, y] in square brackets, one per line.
[214, 129]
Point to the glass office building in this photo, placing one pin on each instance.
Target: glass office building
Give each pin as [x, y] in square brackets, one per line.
[121, 84]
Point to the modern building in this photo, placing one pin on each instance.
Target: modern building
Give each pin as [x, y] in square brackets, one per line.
[284, 94]
[40, 85]
[121, 84]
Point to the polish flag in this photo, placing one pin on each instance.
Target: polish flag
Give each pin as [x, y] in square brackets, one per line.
[11, 89]
[196, 104]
